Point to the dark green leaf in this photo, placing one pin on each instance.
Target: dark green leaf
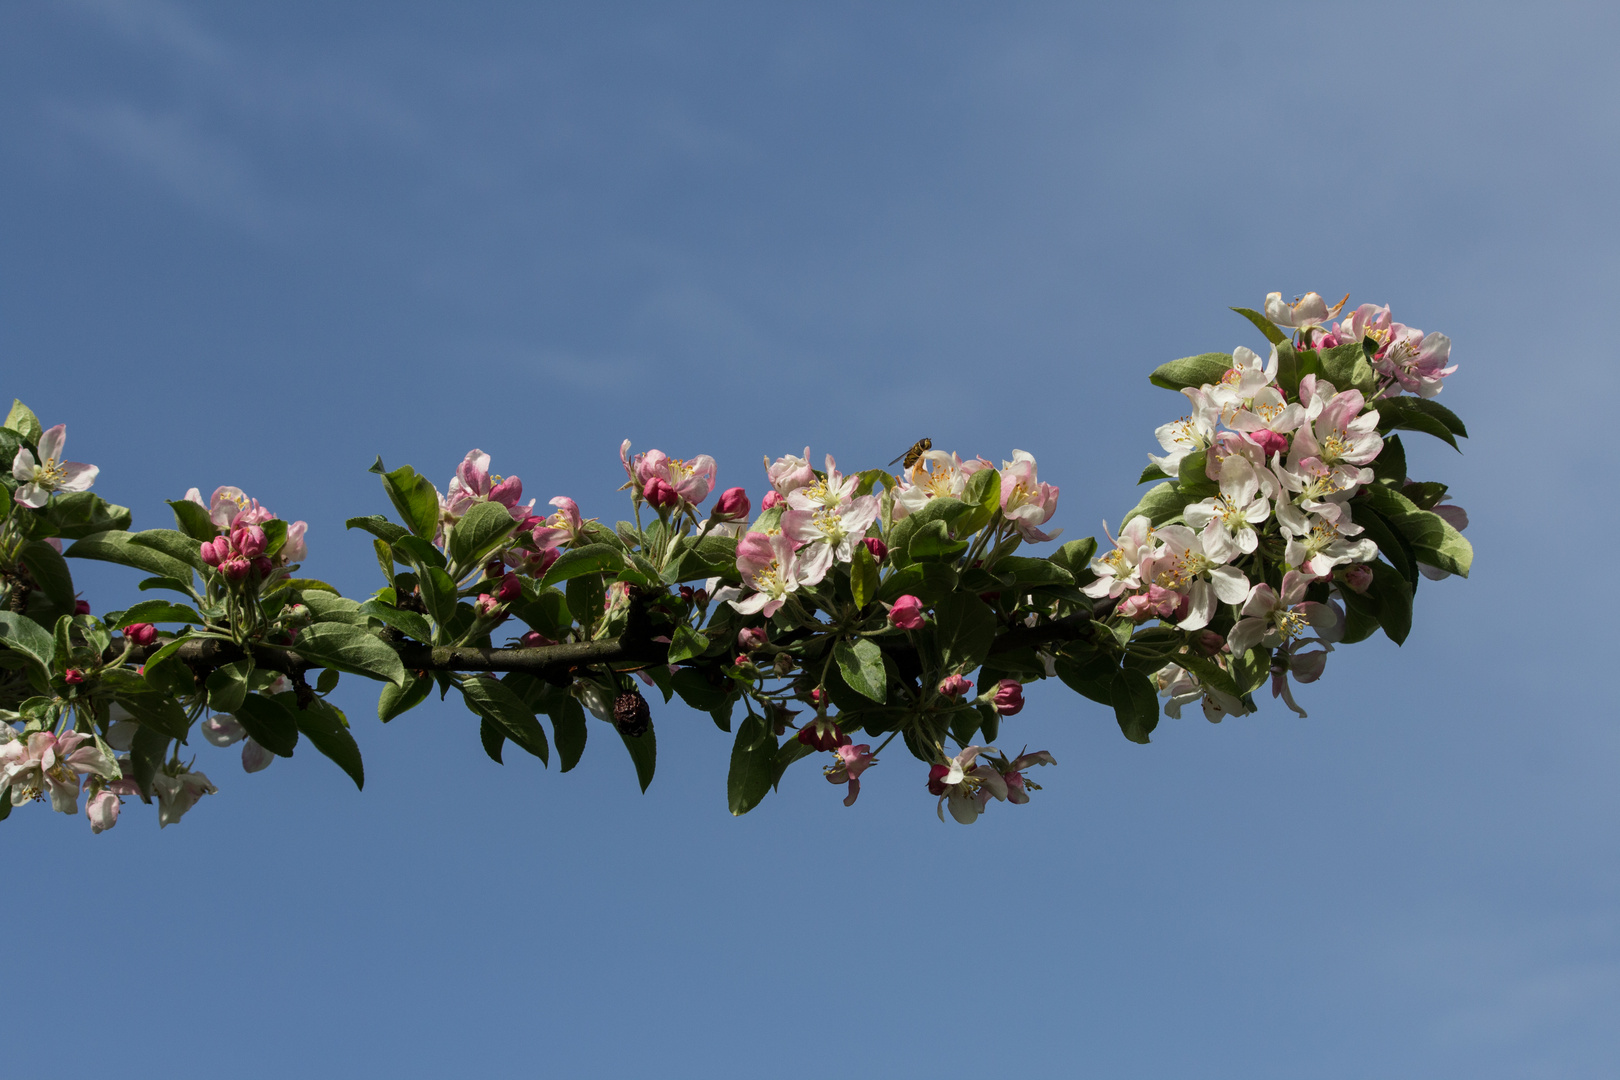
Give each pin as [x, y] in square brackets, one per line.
[928, 582]
[966, 629]
[982, 495]
[1136, 705]
[1153, 472]
[270, 722]
[933, 541]
[861, 664]
[158, 611]
[479, 532]
[156, 710]
[228, 686]
[1159, 505]
[1394, 596]
[1434, 541]
[26, 636]
[393, 701]
[50, 572]
[193, 520]
[438, 595]
[115, 547]
[1420, 414]
[1389, 467]
[590, 559]
[1075, 555]
[406, 622]
[1193, 478]
[22, 420]
[490, 734]
[351, 649]
[863, 576]
[685, 643]
[1346, 367]
[146, 753]
[176, 545]
[73, 515]
[415, 498]
[496, 702]
[643, 753]
[569, 727]
[753, 765]
[323, 725]
[1026, 571]
[377, 526]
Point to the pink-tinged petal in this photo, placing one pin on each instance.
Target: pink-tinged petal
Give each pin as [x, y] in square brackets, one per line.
[1245, 635]
[32, 496]
[77, 476]
[23, 465]
[1024, 761]
[1307, 667]
[50, 443]
[854, 791]
[255, 757]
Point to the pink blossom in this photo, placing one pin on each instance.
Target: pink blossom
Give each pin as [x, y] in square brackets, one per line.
[534, 640]
[1273, 619]
[750, 638]
[178, 792]
[73, 676]
[39, 479]
[1156, 602]
[1358, 577]
[772, 500]
[1270, 442]
[473, 484]
[1019, 787]
[770, 567]
[958, 784]
[660, 493]
[1415, 360]
[822, 734]
[1026, 502]
[1119, 571]
[101, 810]
[906, 612]
[955, 686]
[852, 761]
[1008, 697]
[47, 762]
[789, 473]
[250, 541]
[141, 633]
[691, 480]
[733, 505]
[295, 549]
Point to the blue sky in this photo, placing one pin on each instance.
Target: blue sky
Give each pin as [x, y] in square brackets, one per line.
[261, 243]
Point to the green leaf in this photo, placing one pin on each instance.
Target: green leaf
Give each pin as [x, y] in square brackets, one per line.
[351, 649]
[479, 532]
[1027, 571]
[164, 671]
[1197, 370]
[193, 520]
[146, 753]
[1434, 541]
[860, 662]
[393, 700]
[270, 722]
[685, 643]
[73, 515]
[965, 629]
[1153, 472]
[176, 545]
[863, 576]
[569, 728]
[378, 526]
[1420, 414]
[932, 541]
[1394, 595]
[1263, 324]
[1136, 705]
[329, 607]
[115, 547]
[1390, 545]
[408, 623]
[325, 727]
[156, 710]
[438, 595]
[643, 754]
[326, 682]
[1159, 505]
[1193, 478]
[1389, 467]
[590, 559]
[50, 572]
[753, 765]
[26, 636]
[1346, 367]
[1075, 555]
[22, 420]
[416, 499]
[493, 739]
[928, 582]
[983, 497]
[497, 703]
[228, 686]
[156, 612]
[1291, 367]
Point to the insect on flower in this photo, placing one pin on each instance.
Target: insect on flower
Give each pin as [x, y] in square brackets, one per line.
[910, 457]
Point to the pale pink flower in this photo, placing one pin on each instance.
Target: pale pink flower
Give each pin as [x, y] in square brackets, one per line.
[295, 550]
[935, 473]
[473, 484]
[959, 782]
[789, 473]
[39, 480]
[691, 480]
[852, 761]
[1019, 786]
[1184, 565]
[770, 568]
[1415, 360]
[1026, 502]
[49, 763]
[1119, 571]
[1342, 437]
[224, 729]
[1191, 433]
[178, 792]
[101, 810]
[1274, 620]
[1228, 520]
[1307, 312]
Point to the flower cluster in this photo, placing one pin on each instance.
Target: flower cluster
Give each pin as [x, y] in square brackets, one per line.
[854, 610]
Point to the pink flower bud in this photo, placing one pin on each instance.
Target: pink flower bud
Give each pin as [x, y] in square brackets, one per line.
[486, 605]
[741, 660]
[878, 548]
[734, 505]
[772, 500]
[750, 638]
[936, 779]
[214, 551]
[494, 568]
[907, 613]
[510, 589]
[1358, 577]
[73, 676]
[1210, 641]
[1270, 442]
[250, 541]
[235, 568]
[1008, 697]
[102, 811]
[264, 567]
[141, 633]
[955, 685]
[659, 493]
[81, 607]
[817, 696]
[687, 593]
[534, 640]
[822, 735]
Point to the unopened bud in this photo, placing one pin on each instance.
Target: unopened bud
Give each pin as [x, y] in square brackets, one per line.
[955, 685]
[1008, 698]
[783, 664]
[235, 568]
[772, 500]
[141, 633]
[1269, 442]
[1210, 641]
[510, 589]
[250, 541]
[216, 550]
[1358, 577]
[486, 606]
[733, 505]
[907, 612]
[264, 566]
[81, 607]
[878, 548]
[750, 638]
[533, 640]
[659, 493]
[73, 676]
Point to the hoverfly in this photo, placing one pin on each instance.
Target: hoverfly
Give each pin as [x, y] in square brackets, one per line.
[909, 458]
